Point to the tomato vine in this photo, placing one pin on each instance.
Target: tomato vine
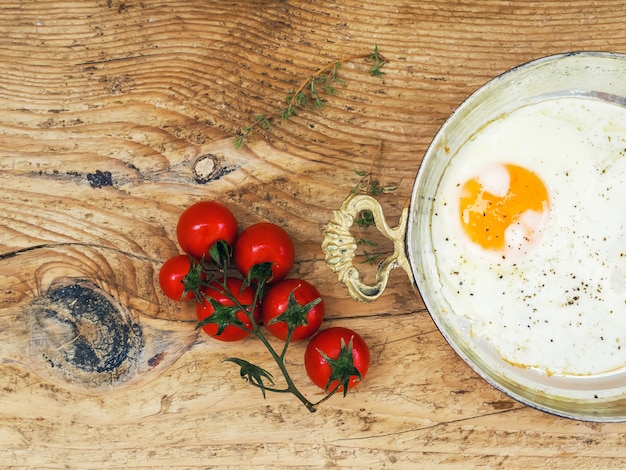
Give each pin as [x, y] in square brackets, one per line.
[230, 285]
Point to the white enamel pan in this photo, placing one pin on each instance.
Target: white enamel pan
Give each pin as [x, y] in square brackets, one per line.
[593, 75]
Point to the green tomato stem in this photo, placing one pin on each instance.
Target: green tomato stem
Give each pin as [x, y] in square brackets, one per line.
[278, 358]
[328, 395]
[291, 386]
[287, 342]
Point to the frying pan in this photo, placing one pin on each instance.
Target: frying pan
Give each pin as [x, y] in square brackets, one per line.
[590, 75]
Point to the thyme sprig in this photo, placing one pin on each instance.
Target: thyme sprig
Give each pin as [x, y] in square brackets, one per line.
[312, 92]
[367, 184]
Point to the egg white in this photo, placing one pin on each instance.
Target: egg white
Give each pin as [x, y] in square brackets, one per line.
[557, 304]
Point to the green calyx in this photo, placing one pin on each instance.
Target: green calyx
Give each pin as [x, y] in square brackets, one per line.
[194, 280]
[342, 368]
[295, 315]
[223, 316]
[221, 253]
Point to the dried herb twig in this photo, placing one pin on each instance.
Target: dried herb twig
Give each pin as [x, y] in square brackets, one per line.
[311, 92]
[369, 185]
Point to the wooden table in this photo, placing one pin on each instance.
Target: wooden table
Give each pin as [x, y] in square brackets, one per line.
[154, 93]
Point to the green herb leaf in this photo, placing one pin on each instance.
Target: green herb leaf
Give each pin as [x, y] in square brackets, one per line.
[365, 218]
[371, 258]
[240, 140]
[287, 113]
[301, 99]
[365, 241]
[330, 90]
[379, 62]
[318, 103]
[336, 69]
[263, 121]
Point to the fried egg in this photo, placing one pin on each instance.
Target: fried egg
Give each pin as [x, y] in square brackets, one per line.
[529, 235]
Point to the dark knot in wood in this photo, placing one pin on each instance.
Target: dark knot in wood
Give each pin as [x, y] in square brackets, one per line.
[82, 334]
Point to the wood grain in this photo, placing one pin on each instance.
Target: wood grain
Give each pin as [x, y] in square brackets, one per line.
[154, 93]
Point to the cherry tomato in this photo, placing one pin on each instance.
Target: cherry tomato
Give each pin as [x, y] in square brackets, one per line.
[172, 276]
[245, 297]
[203, 224]
[329, 342]
[264, 243]
[276, 302]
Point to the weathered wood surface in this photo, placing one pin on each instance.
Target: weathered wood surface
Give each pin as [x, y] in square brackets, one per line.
[146, 90]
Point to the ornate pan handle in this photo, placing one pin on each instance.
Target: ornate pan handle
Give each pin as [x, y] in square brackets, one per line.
[339, 246]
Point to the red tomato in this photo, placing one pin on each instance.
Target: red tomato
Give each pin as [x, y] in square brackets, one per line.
[276, 302]
[329, 342]
[264, 243]
[203, 224]
[172, 276]
[216, 291]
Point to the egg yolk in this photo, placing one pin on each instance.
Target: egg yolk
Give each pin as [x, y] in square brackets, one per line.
[508, 195]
